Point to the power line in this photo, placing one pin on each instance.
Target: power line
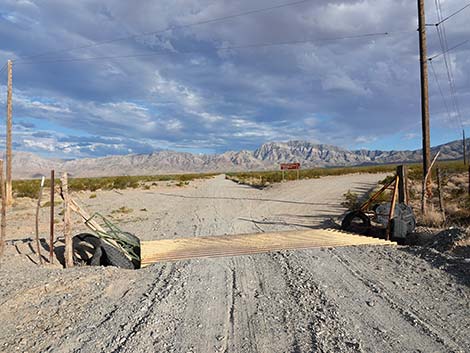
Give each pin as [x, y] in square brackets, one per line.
[452, 15]
[213, 20]
[448, 50]
[3, 68]
[440, 90]
[247, 46]
[445, 49]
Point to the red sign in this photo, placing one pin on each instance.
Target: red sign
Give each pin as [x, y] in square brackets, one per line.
[290, 166]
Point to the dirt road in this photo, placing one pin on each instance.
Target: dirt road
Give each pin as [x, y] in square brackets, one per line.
[364, 299]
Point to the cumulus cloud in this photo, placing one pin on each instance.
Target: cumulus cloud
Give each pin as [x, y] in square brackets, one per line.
[183, 91]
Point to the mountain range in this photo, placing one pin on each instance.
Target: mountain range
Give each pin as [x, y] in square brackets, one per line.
[267, 157]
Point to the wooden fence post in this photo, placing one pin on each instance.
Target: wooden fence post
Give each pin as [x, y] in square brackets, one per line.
[38, 208]
[440, 193]
[3, 224]
[51, 229]
[402, 184]
[67, 225]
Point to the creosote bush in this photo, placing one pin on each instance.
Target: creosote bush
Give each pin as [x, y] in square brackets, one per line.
[30, 187]
[351, 201]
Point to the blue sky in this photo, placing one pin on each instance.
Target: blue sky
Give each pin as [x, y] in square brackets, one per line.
[185, 92]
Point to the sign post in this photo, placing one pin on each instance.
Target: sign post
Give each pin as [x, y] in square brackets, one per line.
[290, 166]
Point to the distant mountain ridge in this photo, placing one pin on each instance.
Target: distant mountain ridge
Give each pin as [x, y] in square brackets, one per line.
[266, 157]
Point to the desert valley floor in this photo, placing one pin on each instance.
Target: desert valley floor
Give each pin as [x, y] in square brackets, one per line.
[358, 299]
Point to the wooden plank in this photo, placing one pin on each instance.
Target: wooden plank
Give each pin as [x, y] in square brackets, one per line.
[245, 244]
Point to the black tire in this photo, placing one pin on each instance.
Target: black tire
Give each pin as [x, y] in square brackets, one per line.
[356, 222]
[97, 256]
[131, 237]
[113, 256]
[87, 249]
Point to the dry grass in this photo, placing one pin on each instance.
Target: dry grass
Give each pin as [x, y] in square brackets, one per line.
[432, 218]
[455, 196]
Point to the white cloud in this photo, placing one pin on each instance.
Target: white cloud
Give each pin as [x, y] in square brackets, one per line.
[191, 93]
[344, 83]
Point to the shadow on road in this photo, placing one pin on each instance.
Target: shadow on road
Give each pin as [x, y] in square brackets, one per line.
[27, 247]
[246, 199]
[325, 221]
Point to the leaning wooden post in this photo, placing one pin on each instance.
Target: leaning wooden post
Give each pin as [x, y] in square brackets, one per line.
[51, 228]
[425, 184]
[439, 191]
[38, 208]
[3, 224]
[67, 226]
[392, 206]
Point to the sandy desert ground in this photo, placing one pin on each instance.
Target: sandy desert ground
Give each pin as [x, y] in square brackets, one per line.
[361, 299]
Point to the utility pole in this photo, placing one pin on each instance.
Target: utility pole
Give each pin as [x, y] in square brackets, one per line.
[464, 148]
[424, 95]
[9, 193]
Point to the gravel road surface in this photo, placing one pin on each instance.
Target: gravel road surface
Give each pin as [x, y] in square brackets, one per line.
[358, 299]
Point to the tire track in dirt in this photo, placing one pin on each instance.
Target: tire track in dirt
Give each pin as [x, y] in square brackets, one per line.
[414, 317]
[135, 314]
[317, 314]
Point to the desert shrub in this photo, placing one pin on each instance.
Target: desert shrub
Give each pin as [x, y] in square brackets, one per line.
[30, 188]
[432, 218]
[48, 203]
[276, 176]
[351, 201]
[26, 188]
[122, 209]
[387, 179]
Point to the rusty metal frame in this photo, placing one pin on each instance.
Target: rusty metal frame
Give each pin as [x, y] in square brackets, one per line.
[392, 207]
[365, 206]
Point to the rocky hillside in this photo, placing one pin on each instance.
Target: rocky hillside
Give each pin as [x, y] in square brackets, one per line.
[267, 156]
